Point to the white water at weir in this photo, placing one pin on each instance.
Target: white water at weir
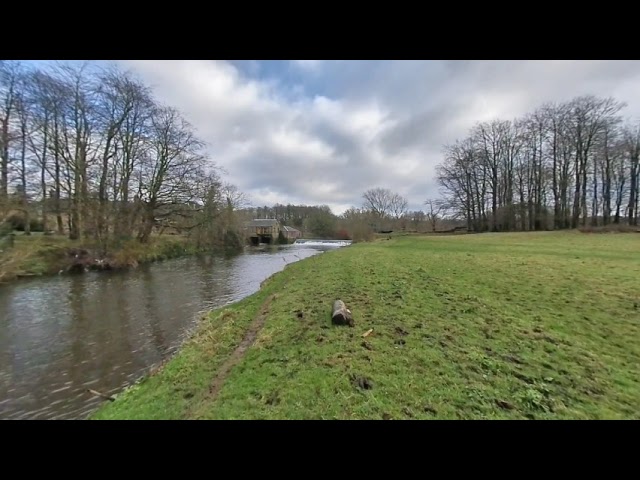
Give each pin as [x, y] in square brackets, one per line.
[322, 243]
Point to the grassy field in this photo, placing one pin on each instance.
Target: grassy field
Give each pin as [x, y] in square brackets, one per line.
[491, 326]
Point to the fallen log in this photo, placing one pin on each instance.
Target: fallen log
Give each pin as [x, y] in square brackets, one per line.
[341, 314]
[98, 394]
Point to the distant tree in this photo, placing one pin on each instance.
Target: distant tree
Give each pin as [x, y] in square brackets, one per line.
[398, 206]
[358, 222]
[385, 206]
[383, 203]
[435, 209]
[322, 224]
[416, 218]
[93, 147]
[632, 147]
[378, 201]
[10, 73]
[563, 165]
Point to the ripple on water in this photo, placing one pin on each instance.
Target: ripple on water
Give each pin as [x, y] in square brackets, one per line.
[60, 389]
[104, 331]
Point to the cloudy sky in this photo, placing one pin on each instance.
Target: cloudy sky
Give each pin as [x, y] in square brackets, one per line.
[321, 131]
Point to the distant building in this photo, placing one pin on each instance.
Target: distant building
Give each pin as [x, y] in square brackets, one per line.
[267, 230]
[263, 230]
[291, 233]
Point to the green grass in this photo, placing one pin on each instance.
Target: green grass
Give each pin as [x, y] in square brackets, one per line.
[491, 326]
[132, 252]
[32, 256]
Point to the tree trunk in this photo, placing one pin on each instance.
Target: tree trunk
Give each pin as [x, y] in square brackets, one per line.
[594, 202]
[576, 197]
[57, 180]
[557, 223]
[606, 183]
[102, 229]
[633, 192]
[23, 176]
[635, 218]
[147, 225]
[4, 159]
[43, 180]
[584, 193]
[123, 217]
[539, 176]
[523, 215]
[74, 225]
[494, 200]
[86, 222]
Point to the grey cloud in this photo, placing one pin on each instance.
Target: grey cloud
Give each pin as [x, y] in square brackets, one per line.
[291, 177]
[328, 158]
[425, 130]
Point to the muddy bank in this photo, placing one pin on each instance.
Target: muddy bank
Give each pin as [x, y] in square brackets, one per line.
[56, 256]
[78, 260]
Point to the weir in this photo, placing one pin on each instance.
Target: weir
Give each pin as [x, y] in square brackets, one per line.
[310, 242]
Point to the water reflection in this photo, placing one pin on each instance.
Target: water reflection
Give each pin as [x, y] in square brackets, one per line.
[61, 335]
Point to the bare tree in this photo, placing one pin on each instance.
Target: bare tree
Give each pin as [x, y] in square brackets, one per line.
[41, 103]
[434, 209]
[397, 205]
[384, 205]
[632, 146]
[9, 78]
[78, 128]
[172, 165]
[23, 114]
[489, 137]
[94, 147]
[608, 154]
[464, 178]
[416, 218]
[564, 161]
[589, 115]
[378, 201]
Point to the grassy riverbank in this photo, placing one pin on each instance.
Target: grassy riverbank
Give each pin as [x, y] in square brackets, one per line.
[527, 325]
[38, 254]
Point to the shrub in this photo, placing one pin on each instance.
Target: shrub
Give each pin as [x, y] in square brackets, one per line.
[611, 228]
[342, 234]
[5, 228]
[17, 222]
[362, 233]
[282, 240]
[233, 240]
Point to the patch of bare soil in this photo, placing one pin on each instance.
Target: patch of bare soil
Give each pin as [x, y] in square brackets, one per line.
[241, 349]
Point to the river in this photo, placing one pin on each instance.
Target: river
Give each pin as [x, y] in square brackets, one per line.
[61, 336]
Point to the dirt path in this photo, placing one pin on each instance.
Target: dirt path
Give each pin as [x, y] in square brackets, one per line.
[241, 349]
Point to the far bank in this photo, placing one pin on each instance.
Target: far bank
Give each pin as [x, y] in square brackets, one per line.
[38, 255]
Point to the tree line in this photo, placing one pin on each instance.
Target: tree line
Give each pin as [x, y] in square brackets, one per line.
[290, 214]
[565, 165]
[93, 154]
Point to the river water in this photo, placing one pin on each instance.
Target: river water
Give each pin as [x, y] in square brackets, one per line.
[61, 336]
